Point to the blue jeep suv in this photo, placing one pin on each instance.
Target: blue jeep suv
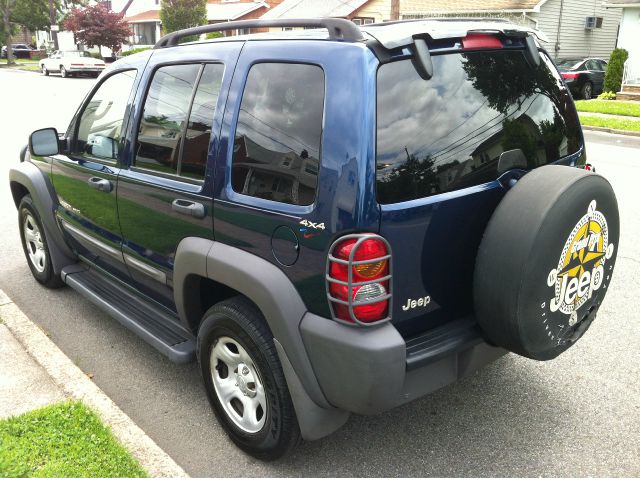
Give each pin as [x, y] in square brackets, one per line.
[331, 220]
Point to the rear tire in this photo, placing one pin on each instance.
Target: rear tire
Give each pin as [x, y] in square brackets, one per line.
[64, 73]
[586, 91]
[546, 260]
[34, 245]
[244, 380]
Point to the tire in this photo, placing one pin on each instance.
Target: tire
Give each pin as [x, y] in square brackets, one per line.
[587, 91]
[44, 70]
[237, 325]
[35, 246]
[532, 294]
[64, 73]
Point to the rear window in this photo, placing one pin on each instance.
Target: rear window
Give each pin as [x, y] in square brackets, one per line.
[449, 132]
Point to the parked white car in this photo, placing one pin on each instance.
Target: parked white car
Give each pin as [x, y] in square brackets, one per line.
[69, 63]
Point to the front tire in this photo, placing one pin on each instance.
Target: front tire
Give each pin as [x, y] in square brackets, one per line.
[34, 244]
[44, 70]
[244, 380]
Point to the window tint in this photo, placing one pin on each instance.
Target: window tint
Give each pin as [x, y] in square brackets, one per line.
[196, 142]
[449, 132]
[276, 151]
[163, 119]
[100, 125]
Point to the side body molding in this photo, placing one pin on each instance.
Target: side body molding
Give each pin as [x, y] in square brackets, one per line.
[30, 177]
[274, 294]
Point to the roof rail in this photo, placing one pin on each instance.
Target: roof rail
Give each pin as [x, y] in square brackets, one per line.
[339, 28]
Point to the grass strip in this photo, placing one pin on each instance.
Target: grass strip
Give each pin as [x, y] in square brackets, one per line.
[65, 439]
[613, 123]
[621, 108]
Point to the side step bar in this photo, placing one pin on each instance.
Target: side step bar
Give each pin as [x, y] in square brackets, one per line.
[447, 339]
[154, 324]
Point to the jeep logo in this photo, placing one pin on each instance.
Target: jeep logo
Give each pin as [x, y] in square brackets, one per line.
[413, 303]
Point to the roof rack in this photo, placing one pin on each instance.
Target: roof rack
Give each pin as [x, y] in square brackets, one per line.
[339, 29]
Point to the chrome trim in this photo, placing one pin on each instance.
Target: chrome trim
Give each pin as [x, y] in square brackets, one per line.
[85, 238]
[145, 268]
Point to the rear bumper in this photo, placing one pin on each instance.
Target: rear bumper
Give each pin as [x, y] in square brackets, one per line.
[368, 371]
[85, 70]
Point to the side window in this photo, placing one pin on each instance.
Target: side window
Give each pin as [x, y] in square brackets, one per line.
[167, 142]
[165, 113]
[100, 125]
[276, 151]
[198, 135]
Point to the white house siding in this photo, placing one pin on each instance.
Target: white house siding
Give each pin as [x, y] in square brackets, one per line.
[380, 10]
[574, 41]
[629, 37]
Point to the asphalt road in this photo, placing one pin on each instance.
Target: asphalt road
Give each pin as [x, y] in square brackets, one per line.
[578, 415]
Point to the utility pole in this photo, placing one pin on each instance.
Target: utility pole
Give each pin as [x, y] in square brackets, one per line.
[52, 19]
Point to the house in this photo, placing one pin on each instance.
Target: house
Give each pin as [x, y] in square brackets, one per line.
[574, 28]
[361, 12]
[629, 39]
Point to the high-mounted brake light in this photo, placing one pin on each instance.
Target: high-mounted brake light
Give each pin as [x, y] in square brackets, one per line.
[478, 41]
[359, 279]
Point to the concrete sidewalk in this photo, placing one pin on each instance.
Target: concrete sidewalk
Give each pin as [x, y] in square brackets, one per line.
[34, 372]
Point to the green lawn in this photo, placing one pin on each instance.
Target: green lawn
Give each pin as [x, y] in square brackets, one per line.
[613, 123]
[67, 439]
[622, 108]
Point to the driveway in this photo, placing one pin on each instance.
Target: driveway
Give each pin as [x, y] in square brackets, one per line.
[578, 415]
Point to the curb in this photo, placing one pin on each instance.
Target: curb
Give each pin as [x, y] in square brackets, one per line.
[612, 131]
[76, 384]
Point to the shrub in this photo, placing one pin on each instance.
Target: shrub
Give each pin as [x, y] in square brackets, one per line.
[607, 95]
[613, 77]
[133, 51]
[214, 35]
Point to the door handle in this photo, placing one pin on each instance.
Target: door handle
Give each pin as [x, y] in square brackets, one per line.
[100, 184]
[189, 208]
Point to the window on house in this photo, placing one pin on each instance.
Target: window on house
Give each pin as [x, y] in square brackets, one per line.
[276, 151]
[363, 20]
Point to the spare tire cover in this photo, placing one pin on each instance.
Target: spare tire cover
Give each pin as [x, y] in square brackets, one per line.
[546, 260]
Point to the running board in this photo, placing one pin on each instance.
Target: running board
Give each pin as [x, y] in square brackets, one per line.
[154, 324]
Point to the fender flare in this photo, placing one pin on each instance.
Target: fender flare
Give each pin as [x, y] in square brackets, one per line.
[277, 298]
[30, 177]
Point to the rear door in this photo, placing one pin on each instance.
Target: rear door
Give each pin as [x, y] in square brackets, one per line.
[164, 192]
[597, 73]
[440, 145]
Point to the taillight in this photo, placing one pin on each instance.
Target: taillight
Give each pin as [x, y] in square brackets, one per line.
[477, 41]
[570, 76]
[359, 279]
[76, 65]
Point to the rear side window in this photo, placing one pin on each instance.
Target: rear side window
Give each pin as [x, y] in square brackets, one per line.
[276, 151]
[449, 132]
[175, 129]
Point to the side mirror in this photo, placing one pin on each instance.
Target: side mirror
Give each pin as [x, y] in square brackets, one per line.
[512, 159]
[44, 142]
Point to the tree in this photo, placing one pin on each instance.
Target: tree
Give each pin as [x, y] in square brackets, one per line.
[31, 14]
[180, 14]
[98, 26]
[615, 69]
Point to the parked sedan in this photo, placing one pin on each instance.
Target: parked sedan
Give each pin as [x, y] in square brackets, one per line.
[20, 50]
[584, 77]
[69, 63]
